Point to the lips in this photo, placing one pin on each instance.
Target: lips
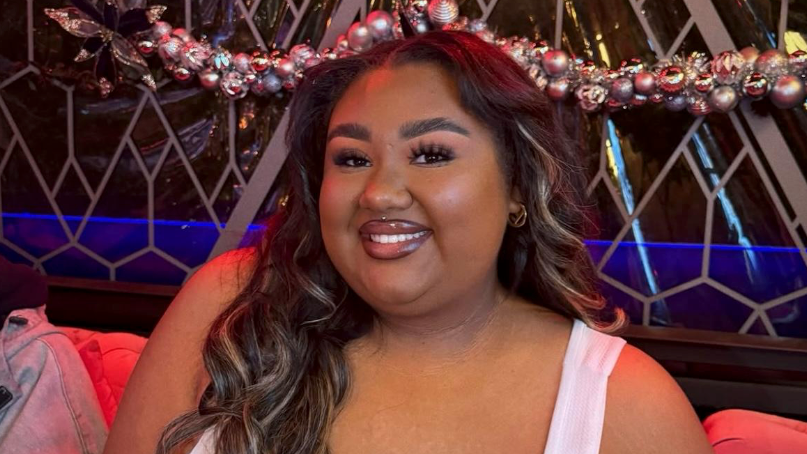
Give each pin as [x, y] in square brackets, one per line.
[394, 239]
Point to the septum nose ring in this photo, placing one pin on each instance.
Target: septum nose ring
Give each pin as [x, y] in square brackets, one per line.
[383, 218]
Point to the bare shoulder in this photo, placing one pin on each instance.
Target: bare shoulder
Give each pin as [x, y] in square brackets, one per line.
[646, 410]
[170, 375]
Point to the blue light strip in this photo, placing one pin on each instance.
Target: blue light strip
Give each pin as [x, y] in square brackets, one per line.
[137, 221]
[211, 225]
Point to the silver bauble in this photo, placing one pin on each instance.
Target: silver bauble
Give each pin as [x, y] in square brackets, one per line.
[772, 63]
[272, 83]
[622, 89]
[787, 92]
[233, 85]
[671, 79]
[380, 25]
[160, 29]
[194, 55]
[220, 60]
[209, 79]
[756, 85]
[258, 87]
[285, 68]
[644, 82]
[558, 89]
[359, 37]
[698, 106]
[241, 63]
[749, 54]
[475, 25]
[590, 96]
[442, 12]
[675, 103]
[300, 53]
[723, 98]
[798, 61]
[420, 24]
[555, 62]
[727, 67]
[170, 48]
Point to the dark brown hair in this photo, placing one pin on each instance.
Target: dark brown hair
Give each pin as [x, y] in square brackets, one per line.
[275, 355]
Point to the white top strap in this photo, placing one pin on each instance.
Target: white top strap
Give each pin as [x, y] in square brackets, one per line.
[577, 420]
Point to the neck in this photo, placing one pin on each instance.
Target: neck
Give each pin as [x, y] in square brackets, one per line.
[457, 330]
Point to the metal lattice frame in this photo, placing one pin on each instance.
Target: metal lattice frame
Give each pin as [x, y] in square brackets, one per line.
[703, 15]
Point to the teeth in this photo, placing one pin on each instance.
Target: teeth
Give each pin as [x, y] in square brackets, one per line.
[395, 238]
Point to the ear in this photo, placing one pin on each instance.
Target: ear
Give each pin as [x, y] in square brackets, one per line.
[515, 201]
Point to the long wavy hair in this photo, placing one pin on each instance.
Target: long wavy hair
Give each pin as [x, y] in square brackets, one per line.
[275, 354]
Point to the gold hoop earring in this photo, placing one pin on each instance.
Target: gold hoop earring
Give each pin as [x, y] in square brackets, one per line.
[518, 219]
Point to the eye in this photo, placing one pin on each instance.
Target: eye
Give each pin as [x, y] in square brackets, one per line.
[431, 154]
[350, 158]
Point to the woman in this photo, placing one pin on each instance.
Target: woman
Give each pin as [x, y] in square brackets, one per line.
[425, 289]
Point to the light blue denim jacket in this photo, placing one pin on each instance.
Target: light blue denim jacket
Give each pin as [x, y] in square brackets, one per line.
[53, 407]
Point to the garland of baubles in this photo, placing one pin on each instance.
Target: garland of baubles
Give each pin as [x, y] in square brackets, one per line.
[127, 32]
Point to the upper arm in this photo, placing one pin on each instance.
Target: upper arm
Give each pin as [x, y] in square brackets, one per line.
[646, 411]
[170, 373]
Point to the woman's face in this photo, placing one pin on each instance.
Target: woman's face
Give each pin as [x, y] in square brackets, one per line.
[401, 146]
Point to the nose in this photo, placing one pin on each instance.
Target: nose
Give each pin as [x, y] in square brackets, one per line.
[385, 191]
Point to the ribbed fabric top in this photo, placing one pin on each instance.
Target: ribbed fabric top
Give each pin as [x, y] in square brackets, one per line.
[577, 420]
[580, 406]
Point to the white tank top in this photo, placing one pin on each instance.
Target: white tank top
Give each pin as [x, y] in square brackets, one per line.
[577, 420]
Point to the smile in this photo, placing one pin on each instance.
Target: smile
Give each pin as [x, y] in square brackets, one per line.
[393, 239]
[386, 239]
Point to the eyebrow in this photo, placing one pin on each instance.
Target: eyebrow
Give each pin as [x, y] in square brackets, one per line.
[409, 130]
[420, 127]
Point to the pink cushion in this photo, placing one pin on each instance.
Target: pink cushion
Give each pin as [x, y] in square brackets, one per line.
[750, 432]
[109, 359]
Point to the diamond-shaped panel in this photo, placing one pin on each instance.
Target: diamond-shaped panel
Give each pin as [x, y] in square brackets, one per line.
[182, 226]
[704, 307]
[751, 22]
[752, 250]
[150, 268]
[666, 19]
[758, 328]
[790, 319]
[150, 136]
[227, 199]
[75, 263]
[12, 256]
[616, 298]
[638, 147]
[72, 199]
[714, 146]
[117, 226]
[39, 109]
[607, 217]
[100, 127]
[28, 218]
[693, 42]
[604, 31]
[536, 20]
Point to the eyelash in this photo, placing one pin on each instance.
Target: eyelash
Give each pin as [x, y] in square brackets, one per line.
[443, 153]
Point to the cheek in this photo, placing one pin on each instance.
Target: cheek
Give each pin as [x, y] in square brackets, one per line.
[470, 213]
[336, 208]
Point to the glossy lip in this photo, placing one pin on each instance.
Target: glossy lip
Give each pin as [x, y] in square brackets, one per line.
[390, 251]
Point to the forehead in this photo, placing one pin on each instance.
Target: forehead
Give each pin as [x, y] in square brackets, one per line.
[390, 96]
